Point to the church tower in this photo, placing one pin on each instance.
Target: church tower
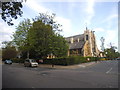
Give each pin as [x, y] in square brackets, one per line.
[88, 43]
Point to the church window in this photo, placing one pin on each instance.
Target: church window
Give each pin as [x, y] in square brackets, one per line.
[86, 37]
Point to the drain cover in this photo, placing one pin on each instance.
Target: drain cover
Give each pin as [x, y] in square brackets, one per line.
[45, 73]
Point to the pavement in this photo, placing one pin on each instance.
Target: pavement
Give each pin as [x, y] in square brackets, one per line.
[67, 67]
[82, 65]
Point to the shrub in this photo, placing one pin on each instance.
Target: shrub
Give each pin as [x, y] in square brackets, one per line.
[71, 60]
[18, 60]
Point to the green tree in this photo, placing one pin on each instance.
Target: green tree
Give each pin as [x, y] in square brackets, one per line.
[111, 52]
[49, 20]
[20, 37]
[44, 36]
[11, 10]
[40, 38]
[9, 53]
[60, 46]
[45, 41]
[7, 44]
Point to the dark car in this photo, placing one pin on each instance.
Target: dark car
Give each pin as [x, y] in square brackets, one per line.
[8, 61]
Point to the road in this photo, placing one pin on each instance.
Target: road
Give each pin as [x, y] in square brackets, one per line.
[99, 75]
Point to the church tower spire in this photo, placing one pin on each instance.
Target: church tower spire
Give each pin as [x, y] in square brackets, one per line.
[86, 26]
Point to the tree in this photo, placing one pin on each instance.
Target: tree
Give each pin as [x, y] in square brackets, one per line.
[40, 38]
[111, 52]
[11, 10]
[44, 41]
[9, 52]
[60, 46]
[7, 44]
[49, 20]
[45, 38]
[20, 37]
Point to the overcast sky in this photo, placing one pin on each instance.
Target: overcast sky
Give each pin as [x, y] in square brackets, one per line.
[74, 15]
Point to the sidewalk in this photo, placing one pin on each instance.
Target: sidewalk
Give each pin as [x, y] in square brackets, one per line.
[83, 65]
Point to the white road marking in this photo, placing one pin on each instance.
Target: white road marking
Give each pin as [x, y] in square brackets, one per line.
[109, 70]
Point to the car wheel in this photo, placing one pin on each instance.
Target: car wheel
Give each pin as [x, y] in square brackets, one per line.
[24, 65]
[30, 65]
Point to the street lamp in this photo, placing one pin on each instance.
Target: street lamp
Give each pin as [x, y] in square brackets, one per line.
[106, 53]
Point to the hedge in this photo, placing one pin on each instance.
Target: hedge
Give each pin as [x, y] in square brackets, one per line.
[69, 60]
[18, 60]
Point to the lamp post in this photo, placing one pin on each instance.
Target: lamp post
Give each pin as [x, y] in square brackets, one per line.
[106, 53]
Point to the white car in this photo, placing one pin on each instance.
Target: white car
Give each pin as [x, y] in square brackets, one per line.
[30, 63]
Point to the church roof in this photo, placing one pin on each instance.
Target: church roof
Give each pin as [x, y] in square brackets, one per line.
[76, 44]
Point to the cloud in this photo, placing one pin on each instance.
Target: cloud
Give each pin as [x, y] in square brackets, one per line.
[111, 36]
[89, 11]
[110, 18]
[37, 6]
[98, 36]
[99, 30]
[5, 32]
[90, 7]
[66, 25]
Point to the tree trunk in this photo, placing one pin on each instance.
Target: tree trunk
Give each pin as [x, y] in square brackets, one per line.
[28, 55]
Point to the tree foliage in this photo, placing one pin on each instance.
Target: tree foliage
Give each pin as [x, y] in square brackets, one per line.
[111, 52]
[9, 53]
[60, 46]
[20, 36]
[45, 41]
[41, 37]
[11, 10]
[49, 20]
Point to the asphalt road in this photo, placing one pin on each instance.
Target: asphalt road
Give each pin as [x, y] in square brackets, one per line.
[99, 75]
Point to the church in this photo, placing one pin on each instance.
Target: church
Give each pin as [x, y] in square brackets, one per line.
[83, 44]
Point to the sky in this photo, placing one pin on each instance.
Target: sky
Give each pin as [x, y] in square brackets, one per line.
[74, 16]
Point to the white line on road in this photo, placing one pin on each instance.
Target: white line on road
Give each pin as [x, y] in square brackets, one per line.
[109, 70]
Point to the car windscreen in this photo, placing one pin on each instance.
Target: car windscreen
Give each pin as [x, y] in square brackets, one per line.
[8, 60]
[33, 61]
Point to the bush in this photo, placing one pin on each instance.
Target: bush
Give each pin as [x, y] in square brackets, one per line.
[71, 60]
[18, 60]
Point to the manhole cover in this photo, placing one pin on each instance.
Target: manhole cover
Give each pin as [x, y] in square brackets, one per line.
[45, 73]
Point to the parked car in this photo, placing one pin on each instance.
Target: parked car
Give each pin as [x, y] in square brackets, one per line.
[117, 58]
[39, 61]
[8, 61]
[30, 63]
